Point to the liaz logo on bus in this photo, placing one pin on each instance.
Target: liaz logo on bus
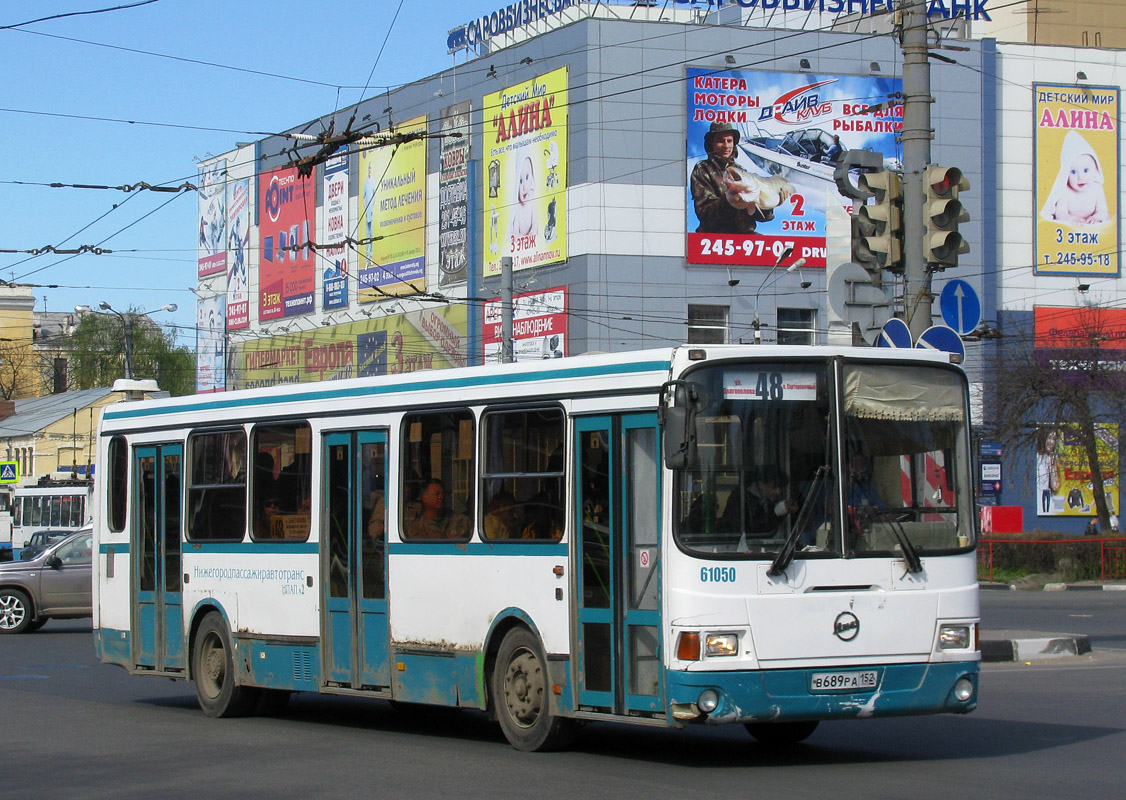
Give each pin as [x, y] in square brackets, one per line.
[846, 626]
[798, 105]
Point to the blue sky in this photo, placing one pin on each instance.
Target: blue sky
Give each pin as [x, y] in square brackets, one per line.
[65, 79]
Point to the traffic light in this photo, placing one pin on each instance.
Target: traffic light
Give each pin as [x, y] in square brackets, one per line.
[877, 229]
[942, 213]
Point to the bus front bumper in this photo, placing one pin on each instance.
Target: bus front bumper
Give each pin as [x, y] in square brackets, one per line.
[791, 695]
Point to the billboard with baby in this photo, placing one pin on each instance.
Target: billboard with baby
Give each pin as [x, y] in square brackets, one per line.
[1075, 181]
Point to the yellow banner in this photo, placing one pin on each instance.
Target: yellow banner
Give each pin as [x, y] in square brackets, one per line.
[1076, 179]
[1063, 471]
[525, 186]
[430, 338]
[392, 208]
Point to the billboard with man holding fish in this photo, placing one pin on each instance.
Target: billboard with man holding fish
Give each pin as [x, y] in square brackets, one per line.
[762, 147]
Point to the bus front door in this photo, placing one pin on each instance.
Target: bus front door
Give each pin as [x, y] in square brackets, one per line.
[618, 553]
[158, 623]
[357, 634]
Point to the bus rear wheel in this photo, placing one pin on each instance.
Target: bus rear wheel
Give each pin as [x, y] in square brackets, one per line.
[213, 670]
[781, 734]
[520, 696]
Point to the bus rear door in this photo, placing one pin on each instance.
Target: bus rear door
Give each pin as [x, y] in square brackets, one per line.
[618, 551]
[158, 625]
[356, 638]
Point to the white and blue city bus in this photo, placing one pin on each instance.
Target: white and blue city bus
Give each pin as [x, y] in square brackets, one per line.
[771, 536]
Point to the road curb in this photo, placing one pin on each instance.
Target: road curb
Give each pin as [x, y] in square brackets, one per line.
[1034, 647]
[1056, 587]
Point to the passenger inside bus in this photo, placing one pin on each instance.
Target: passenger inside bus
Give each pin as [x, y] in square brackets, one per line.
[501, 520]
[437, 521]
[265, 493]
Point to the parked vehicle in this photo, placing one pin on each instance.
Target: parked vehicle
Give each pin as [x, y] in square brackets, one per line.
[40, 541]
[53, 584]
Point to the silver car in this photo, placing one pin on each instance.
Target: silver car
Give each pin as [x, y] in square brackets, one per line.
[56, 583]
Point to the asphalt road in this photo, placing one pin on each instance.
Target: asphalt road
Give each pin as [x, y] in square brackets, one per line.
[1098, 614]
[75, 728]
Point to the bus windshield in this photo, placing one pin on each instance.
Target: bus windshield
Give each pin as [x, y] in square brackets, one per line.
[903, 429]
[763, 447]
[764, 474]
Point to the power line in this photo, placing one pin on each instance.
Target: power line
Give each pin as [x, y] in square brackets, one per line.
[78, 14]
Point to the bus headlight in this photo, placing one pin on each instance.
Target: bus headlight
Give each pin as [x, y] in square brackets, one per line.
[954, 637]
[721, 644]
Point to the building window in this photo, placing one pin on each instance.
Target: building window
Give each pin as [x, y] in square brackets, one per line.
[795, 325]
[707, 324]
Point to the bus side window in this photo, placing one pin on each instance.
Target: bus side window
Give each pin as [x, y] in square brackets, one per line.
[522, 479]
[438, 476]
[117, 487]
[217, 485]
[282, 484]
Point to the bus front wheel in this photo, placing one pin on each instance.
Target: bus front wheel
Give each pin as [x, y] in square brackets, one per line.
[780, 734]
[520, 696]
[213, 669]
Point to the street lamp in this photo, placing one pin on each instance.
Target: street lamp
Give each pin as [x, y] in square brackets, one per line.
[789, 251]
[127, 324]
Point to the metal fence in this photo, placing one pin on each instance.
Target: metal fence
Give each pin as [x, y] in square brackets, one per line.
[1109, 554]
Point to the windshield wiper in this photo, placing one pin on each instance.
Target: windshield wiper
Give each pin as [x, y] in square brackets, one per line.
[789, 547]
[910, 554]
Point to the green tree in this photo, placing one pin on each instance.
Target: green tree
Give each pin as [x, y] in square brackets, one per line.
[97, 356]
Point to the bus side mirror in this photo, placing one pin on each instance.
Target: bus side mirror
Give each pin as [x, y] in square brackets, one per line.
[678, 445]
[677, 416]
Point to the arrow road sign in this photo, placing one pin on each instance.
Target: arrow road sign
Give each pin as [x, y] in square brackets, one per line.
[960, 306]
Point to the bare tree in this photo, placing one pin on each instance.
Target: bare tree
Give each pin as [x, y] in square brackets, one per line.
[1073, 374]
[19, 370]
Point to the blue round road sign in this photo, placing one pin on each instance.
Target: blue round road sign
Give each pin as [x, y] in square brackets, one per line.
[960, 306]
[939, 337]
[895, 333]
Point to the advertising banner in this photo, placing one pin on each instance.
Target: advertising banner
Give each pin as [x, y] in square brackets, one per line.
[287, 212]
[238, 223]
[453, 195]
[392, 209]
[1063, 475]
[1086, 340]
[210, 340]
[212, 246]
[525, 190]
[762, 148]
[539, 326]
[333, 255]
[1075, 179]
[430, 338]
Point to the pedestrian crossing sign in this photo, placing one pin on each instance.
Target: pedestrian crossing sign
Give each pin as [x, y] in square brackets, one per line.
[9, 472]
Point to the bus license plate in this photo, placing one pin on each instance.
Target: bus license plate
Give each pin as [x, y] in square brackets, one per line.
[843, 681]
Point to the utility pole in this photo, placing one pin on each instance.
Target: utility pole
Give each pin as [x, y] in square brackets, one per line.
[506, 355]
[916, 140]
